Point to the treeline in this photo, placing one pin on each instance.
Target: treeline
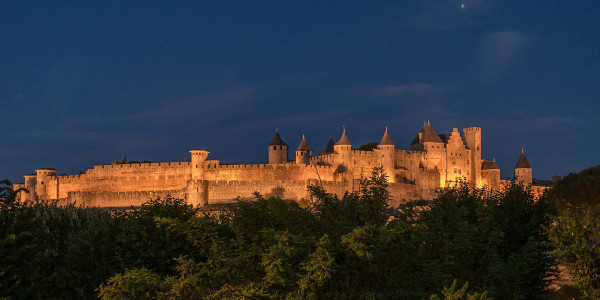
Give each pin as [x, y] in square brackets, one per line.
[466, 243]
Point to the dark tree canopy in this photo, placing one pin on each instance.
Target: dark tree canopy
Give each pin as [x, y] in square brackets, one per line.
[579, 189]
[368, 146]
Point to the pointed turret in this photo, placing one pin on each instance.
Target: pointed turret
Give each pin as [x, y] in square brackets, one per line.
[386, 146]
[343, 139]
[303, 152]
[386, 139]
[522, 163]
[278, 150]
[304, 145]
[277, 141]
[343, 149]
[523, 171]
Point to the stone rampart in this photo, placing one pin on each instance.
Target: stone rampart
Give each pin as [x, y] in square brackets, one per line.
[107, 199]
[227, 191]
[268, 172]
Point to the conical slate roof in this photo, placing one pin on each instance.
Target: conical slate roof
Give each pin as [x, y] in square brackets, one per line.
[277, 141]
[386, 139]
[489, 165]
[522, 163]
[429, 135]
[304, 145]
[329, 147]
[344, 139]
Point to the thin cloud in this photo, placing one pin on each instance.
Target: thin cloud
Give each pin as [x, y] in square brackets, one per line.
[532, 125]
[448, 15]
[411, 89]
[202, 111]
[500, 50]
[204, 106]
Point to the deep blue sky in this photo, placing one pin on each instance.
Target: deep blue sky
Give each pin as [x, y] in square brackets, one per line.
[86, 82]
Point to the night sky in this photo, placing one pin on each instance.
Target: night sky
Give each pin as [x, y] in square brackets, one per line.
[83, 83]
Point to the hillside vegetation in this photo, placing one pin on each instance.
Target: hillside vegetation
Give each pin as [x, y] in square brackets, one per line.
[580, 189]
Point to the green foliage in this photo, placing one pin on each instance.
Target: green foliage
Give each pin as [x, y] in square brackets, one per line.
[7, 194]
[495, 241]
[579, 189]
[368, 146]
[576, 246]
[50, 251]
[134, 284]
[451, 293]
[340, 216]
[34, 243]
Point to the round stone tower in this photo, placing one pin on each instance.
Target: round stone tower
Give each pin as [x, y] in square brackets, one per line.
[523, 171]
[386, 149]
[278, 150]
[303, 153]
[43, 178]
[30, 184]
[198, 158]
[343, 148]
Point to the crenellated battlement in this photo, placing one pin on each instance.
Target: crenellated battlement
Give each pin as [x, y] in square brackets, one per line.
[363, 153]
[70, 177]
[143, 165]
[227, 167]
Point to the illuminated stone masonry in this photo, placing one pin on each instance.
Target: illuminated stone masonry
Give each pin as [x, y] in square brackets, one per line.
[433, 161]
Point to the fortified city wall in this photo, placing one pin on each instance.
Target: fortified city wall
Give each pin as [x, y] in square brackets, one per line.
[433, 161]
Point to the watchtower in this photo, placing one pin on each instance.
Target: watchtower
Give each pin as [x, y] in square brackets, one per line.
[198, 158]
[523, 171]
[386, 149]
[43, 178]
[303, 153]
[344, 149]
[278, 150]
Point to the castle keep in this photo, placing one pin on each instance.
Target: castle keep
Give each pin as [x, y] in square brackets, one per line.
[433, 161]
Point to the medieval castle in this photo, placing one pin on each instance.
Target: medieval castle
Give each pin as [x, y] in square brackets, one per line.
[433, 161]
